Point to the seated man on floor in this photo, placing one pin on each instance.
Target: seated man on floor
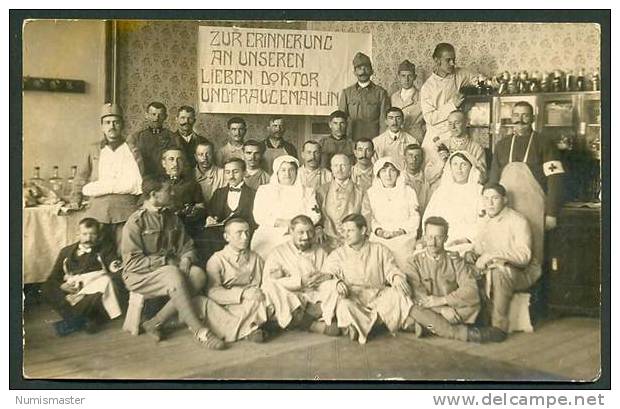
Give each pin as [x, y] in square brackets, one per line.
[371, 287]
[236, 307]
[234, 200]
[503, 252]
[445, 290]
[187, 199]
[80, 287]
[299, 293]
[160, 260]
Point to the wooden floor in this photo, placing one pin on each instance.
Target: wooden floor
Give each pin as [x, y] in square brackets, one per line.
[562, 349]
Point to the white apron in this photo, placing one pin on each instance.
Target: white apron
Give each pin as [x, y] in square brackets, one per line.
[526, 197]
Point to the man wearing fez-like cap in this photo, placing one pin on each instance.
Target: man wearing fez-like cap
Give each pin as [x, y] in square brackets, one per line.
[111, 175]
[407, 98]
[365, 102]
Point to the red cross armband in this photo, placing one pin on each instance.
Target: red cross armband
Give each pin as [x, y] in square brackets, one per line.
[553, 167]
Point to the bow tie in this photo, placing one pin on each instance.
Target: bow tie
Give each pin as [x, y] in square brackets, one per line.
[83, 250]
[234, 189]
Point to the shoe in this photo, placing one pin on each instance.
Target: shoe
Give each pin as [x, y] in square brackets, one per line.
[91, 327]
[257, 336]
[69, 326]
[206, 338]
[485, 334]
[320, 327]
[352, 333]
[153, 330]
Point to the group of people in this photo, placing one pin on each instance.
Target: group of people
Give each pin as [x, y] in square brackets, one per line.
[408, 228]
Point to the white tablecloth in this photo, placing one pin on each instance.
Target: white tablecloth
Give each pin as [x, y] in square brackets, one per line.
[45, 233]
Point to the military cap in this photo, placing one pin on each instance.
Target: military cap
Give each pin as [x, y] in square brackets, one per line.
[110, 109]
[406, 66]
[361, 59]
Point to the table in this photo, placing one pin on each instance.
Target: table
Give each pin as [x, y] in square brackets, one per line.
[45, 233]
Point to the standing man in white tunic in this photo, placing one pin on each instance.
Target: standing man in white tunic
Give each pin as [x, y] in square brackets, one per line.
[111, 174]
[440, 96]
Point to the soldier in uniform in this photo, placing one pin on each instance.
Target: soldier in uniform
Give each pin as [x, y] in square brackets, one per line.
[337, 141]
[311, 173]
[185, 137]
[160, 260]
[208, 175]
[365, 102]
[445, 291]
[154, 139]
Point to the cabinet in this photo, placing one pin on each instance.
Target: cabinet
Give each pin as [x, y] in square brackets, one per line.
[572, 120]
[574, 279]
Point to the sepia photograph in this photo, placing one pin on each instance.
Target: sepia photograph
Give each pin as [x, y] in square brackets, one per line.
[331, 198]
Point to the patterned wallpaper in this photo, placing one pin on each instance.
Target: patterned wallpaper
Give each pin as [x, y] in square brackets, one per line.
[157, 59]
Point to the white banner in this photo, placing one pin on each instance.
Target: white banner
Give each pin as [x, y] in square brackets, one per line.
[263, 71]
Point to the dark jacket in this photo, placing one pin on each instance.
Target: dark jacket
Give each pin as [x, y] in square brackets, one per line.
[218, 205]
[85, 263]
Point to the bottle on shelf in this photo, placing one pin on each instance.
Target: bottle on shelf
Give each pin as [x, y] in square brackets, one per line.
[596, 82]
[558, 84]
[68, 188]
[524, 82]
[581, 80]
[513, 86]
[545, 82]
[569, 82]
[56, 182]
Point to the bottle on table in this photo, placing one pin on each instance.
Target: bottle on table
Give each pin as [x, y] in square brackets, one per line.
[68, 188]
[36, 179]
[56, 182]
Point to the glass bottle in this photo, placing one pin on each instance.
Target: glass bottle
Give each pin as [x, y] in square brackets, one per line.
[581, 80]
[596, 83]
[569, 81]
[545, 85]
[68, 188]
[36, 177]
[56, 182]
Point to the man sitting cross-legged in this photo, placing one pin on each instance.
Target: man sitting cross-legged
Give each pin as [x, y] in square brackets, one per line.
[444, 288]
[299, 293]
[236, 308]
[370, 286]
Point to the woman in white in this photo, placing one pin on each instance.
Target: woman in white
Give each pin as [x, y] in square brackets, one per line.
[457, 200]
[277, 202]
[394, 206]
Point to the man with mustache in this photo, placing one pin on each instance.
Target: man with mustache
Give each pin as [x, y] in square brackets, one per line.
[365, 102]
[361, 173]
[187, 201]
[393, 141]
[185, 137]
[111, 175]
[209, 176]
[445, 292]
[529, 167]
[337, 141]
[275, 145]
[80, 287]
[312, 174]
[337, 199]
[300, 295]
[154, 139]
